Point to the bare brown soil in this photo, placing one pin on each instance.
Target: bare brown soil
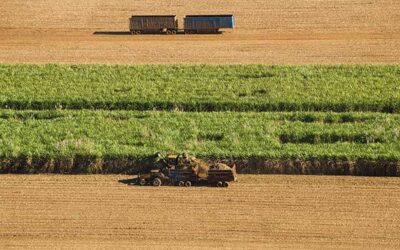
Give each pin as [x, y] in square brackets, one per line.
[313, 212]
[273, 32]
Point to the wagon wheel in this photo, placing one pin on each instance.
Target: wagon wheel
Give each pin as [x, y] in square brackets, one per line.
[181, 184]
[142, 182]
[188, 184]
[219, 184]
[157, 182]
[226, 184]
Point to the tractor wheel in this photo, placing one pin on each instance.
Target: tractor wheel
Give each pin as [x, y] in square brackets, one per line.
[157, 182]
[181, 184]
[142, 182]
[226, 184]
[188, 184]
[219, 184]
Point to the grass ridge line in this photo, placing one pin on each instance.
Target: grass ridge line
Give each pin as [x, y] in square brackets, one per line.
[390, 107]
[86, 164]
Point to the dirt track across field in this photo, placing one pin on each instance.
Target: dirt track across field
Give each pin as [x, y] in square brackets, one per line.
[272, 32]
[320, 212]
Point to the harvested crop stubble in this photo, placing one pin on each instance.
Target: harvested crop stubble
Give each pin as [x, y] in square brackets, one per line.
[267, 31]
[117, 141]
[201, 88]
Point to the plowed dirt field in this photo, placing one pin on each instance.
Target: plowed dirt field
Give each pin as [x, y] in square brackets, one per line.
[48, 211]
[273, 32]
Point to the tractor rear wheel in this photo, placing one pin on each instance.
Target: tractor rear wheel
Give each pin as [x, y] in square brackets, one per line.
[188, 184]
[157, 182]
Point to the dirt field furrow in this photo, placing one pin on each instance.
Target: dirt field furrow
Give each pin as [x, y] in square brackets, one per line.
[272, 32]
[259, 211]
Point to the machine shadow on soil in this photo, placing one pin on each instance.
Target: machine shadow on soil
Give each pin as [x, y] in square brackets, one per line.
[112, 33]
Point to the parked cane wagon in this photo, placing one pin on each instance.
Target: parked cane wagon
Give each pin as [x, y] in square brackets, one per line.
[192, 24]
[153, 24]
[208, 23]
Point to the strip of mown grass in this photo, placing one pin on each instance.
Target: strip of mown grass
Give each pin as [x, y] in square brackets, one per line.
[84, 141]
[202, 87]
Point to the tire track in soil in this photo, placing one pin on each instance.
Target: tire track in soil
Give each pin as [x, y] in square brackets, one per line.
[258, 211]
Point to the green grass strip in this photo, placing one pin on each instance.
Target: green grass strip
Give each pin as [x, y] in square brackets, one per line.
[205, 88]
[222, 135]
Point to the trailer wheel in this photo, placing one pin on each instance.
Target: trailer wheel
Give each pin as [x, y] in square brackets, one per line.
[173, 32]
[181, 184]
[157, 182]
[142, 182]
[138, 32]
[169, 32]
[188, 184]
[219, 184]
[226, 184]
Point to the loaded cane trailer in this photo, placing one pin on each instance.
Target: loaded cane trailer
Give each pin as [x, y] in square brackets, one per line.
[189, 177]
[221, 175]
[183, 177]
[208, 23]
[153, 24]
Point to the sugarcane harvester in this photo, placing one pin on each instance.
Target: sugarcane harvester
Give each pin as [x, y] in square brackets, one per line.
[185, 171]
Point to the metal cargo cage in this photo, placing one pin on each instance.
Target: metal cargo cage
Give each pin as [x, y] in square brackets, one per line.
[153, 24]
[206, 23]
